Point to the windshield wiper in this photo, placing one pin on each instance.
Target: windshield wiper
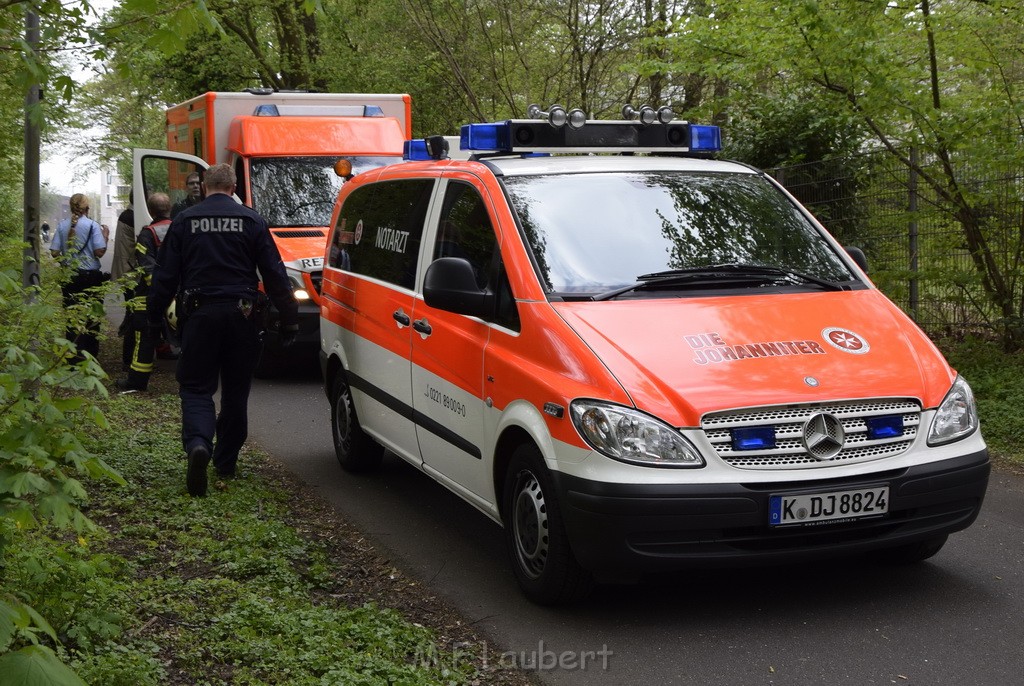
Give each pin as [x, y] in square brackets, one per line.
[717, 274]
[740, 269]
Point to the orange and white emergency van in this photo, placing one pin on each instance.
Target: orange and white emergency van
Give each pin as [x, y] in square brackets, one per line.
[284, 147]
[636, 358]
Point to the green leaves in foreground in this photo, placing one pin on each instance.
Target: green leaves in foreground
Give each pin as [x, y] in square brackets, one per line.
[44, 413]
[36, 665]
[44, 408]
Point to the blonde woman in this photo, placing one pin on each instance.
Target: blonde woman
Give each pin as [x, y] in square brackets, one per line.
[78, 245]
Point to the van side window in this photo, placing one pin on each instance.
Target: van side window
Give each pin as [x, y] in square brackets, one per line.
[465, 231]
[379, 230]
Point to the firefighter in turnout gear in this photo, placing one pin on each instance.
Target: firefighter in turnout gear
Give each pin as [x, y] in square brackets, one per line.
[143, 339]
[209, 260]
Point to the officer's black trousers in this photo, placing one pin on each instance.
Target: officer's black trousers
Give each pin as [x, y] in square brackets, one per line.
[218, 344]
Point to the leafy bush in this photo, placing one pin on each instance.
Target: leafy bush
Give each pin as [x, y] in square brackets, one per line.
[44, 411]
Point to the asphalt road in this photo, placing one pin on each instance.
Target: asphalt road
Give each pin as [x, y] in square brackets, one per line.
[956, 619]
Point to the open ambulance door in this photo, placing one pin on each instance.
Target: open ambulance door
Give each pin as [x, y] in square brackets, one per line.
[160, 171]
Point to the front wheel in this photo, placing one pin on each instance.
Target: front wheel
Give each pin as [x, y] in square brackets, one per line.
[356, 452]
[542, 559]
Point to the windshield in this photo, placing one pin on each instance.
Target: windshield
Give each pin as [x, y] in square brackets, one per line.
[592, 233]
[300, 191]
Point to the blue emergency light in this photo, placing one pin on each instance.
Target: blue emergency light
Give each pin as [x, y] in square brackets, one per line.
[885, 427]
[415, 150]
[486, 137]
[753, 438]
[422, 149]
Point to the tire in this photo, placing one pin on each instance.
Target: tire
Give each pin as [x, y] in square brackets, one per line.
[544, 565]
[356, 452]
[910, 553]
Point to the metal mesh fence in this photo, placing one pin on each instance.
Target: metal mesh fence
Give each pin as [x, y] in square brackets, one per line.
[915, 247]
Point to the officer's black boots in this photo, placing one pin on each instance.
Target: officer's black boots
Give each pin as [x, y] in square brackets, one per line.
[136, 381]
[195, 478]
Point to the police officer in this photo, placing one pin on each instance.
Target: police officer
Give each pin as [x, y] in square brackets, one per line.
[210, 256]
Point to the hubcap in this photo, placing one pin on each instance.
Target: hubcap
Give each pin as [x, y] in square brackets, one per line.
[341, 423]
[530, 526]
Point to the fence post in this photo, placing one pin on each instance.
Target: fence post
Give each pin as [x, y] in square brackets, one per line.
[912, 233]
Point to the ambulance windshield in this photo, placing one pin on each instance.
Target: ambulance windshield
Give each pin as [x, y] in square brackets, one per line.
[300, 191]
[596, 232]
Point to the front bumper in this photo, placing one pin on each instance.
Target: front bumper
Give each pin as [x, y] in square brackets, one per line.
[634, 528]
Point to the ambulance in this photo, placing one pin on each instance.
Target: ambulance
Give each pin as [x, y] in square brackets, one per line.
[285, 148]
[636, 358]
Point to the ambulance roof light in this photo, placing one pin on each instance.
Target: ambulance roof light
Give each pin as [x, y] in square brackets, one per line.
[273, 110]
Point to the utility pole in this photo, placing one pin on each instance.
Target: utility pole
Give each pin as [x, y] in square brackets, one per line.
[30, 256]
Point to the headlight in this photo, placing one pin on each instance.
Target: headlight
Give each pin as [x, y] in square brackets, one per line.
[626, 434]
[298, 285]
[956, 417]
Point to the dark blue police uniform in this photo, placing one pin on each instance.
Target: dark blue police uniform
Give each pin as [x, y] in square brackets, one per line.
[210, 256]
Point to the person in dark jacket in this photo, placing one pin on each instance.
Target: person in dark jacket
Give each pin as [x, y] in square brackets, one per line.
[194, 194]
[140, 342]
[209, 259]
[122, 263]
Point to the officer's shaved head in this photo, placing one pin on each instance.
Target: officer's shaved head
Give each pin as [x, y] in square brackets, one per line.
[220, 178]
[159, 205]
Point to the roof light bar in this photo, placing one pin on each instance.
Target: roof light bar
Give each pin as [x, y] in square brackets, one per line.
[530, 135]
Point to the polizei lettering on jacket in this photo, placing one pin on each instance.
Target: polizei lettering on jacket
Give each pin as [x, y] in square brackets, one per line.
[710, 348]
[391, 239]
[216, 225]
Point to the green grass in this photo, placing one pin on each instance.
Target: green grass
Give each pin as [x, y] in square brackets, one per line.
[219, 590]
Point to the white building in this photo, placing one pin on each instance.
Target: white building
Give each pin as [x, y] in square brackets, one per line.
[113, 198]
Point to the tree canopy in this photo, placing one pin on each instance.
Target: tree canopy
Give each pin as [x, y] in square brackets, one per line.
[791, 82]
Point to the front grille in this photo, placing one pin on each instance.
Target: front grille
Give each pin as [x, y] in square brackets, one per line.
[788, 424]
[311, 233]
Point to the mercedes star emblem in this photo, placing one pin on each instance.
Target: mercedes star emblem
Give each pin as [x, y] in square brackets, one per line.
[823, 436]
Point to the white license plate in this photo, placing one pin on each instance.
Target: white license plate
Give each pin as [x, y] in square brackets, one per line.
[825, 507]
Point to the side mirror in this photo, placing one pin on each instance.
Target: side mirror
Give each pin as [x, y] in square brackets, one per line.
[450, 285]
[858, 257]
